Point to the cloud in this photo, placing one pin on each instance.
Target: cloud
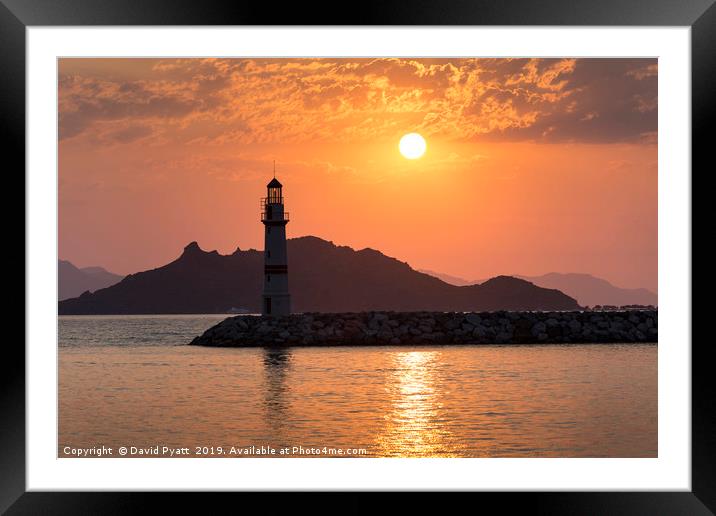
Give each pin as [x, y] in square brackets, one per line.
[599, 104]
[131, 133]
[83, 102]
[644, 72]
[215, 101]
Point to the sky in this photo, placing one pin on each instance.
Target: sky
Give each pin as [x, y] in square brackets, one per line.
[532, 165]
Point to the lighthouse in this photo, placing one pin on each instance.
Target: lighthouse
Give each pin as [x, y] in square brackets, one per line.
[275, 298]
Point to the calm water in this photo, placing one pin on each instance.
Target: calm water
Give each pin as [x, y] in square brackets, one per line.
[131, 381]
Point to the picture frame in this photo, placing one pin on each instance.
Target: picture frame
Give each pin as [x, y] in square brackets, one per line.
[16, 16]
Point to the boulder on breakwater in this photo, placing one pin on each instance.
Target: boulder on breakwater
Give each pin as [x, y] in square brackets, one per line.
[418, 328]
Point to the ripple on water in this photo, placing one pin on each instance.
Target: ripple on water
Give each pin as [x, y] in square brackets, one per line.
[145, 386]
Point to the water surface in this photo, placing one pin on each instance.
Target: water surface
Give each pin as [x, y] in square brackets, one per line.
[132, 381]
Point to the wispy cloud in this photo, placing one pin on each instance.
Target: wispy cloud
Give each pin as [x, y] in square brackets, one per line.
[218, 101]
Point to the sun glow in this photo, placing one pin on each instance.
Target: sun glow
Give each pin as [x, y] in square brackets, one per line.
[412, 146]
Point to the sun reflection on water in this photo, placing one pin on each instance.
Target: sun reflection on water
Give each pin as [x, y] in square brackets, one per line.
[415, 421]
[441, 401]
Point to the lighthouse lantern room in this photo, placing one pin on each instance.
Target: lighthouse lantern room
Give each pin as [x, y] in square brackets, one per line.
[275, 298]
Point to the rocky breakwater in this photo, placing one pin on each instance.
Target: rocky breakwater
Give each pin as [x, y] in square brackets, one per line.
[413, 328]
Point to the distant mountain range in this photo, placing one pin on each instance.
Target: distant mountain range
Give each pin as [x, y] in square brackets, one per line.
[73, 281]
[447, 278]
[323, 277]
[588, 290]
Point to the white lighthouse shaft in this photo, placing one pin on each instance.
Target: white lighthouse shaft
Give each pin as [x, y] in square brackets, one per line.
[275, 299]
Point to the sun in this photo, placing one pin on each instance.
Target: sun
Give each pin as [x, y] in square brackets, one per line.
[412, 146]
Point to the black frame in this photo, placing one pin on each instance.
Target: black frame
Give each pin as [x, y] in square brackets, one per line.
[16, 15]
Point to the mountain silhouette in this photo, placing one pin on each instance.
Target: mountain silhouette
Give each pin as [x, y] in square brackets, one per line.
[589, 290]
[73, 281]
[323, 277]
[448, 278]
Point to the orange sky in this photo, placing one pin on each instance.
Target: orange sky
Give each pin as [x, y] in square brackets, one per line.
[532, 166]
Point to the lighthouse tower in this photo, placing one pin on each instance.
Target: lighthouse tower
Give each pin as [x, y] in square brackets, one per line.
[276, 300]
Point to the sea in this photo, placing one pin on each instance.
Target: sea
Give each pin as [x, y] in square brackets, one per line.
[131, 386]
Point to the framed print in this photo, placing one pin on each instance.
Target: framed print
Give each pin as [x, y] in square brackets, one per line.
[431, 249]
